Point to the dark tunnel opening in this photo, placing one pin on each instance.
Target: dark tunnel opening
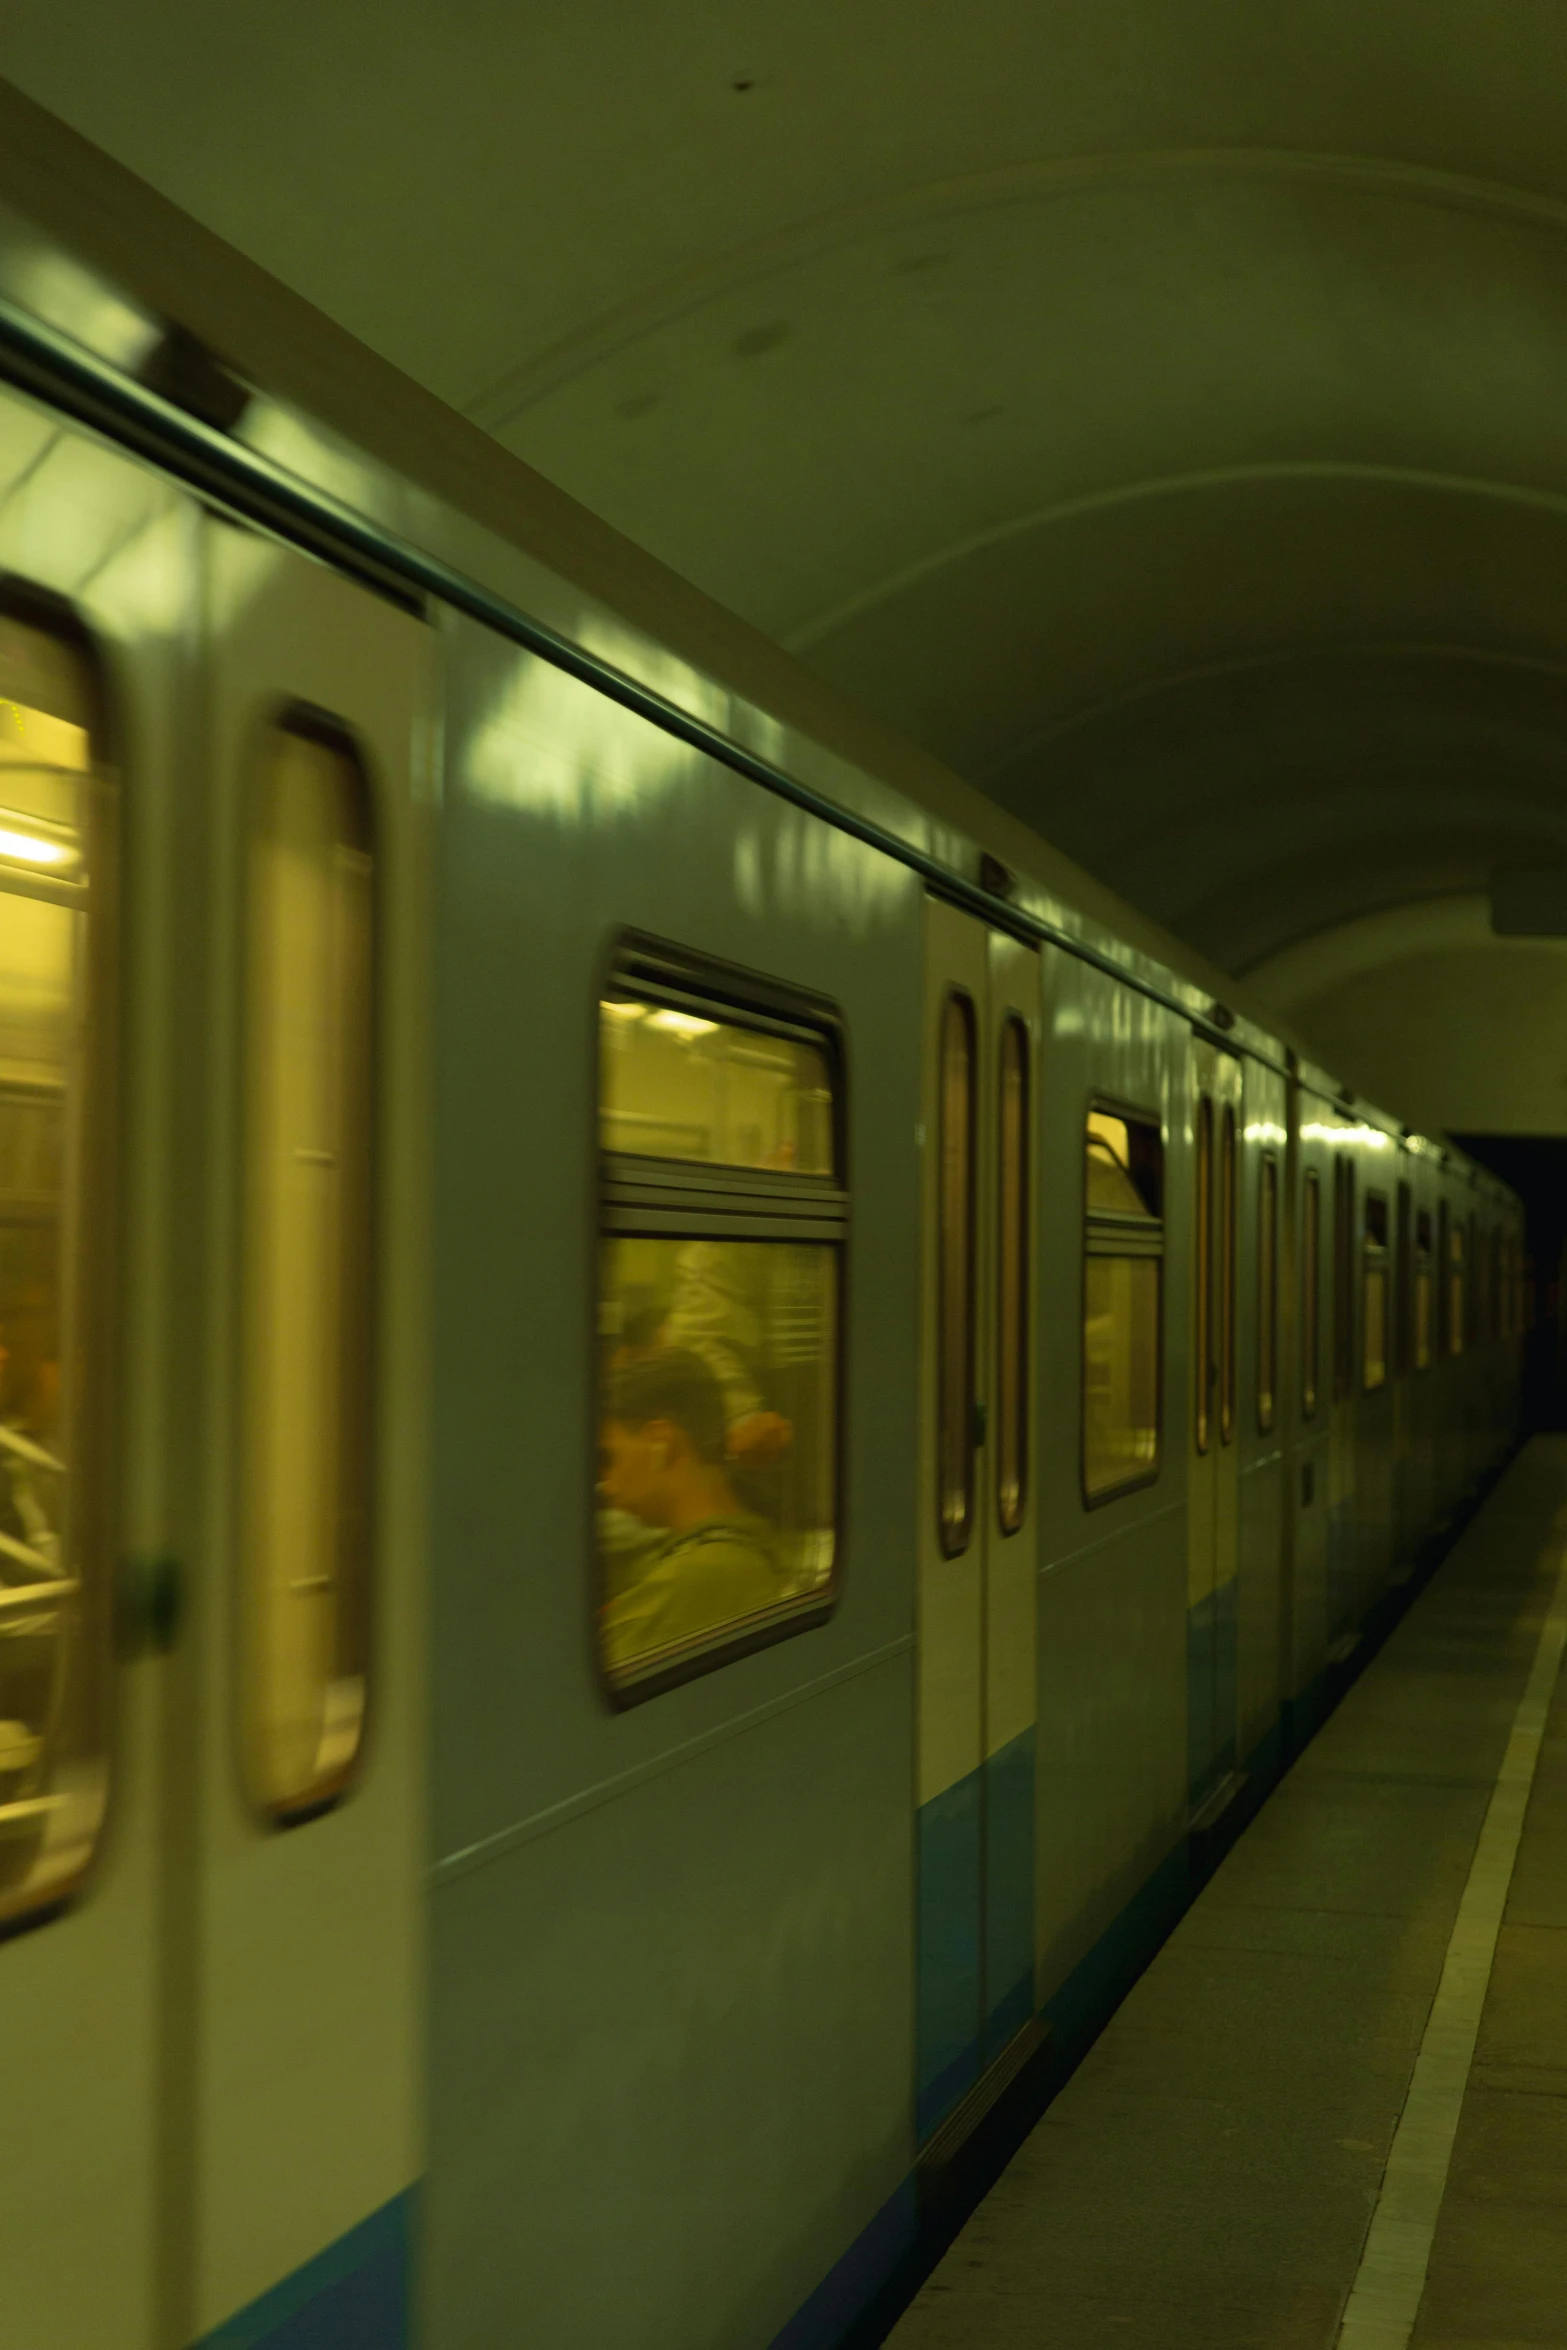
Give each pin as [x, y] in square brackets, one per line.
[1536, 1167]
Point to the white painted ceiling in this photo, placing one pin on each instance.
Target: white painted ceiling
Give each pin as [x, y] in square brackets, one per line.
[1158, 407]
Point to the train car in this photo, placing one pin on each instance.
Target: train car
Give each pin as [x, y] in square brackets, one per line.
[682, 1429]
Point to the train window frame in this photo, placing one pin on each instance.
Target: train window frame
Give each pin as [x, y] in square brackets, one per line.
[642, 1197]
[1442, 1348]
[1343, 1276]
[1311, 1294]
[957, 1285]
[1375, 1275]
[1229, 1267]
[1105, 1236]
[329, 732]
[1204, 1367]
[1403, 1291]
[1423, 1286]
[1458, 1278]
[87, 1225]
[1014, 1385]
[1267, 1292]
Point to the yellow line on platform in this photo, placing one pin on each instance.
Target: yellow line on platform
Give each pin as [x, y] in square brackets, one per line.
[1385, 2297]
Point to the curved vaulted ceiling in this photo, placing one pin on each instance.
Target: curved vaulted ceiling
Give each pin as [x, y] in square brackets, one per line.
[1158, 409]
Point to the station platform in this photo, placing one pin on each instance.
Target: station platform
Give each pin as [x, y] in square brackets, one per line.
[1333, 2111]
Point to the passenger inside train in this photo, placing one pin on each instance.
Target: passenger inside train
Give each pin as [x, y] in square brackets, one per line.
[716, 1412]
[663, 1462]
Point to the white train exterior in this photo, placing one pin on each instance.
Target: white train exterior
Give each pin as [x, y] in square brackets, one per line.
[544, 2003]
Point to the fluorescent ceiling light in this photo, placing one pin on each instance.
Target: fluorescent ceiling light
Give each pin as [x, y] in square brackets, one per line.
[681, 1023]
[29, 848]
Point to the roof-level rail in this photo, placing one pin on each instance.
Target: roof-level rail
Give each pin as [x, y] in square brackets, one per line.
[39, 359]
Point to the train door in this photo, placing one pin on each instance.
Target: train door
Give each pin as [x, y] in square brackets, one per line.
[90, 676]
[976, 1614]
[293, 1946]
[1213, 1517]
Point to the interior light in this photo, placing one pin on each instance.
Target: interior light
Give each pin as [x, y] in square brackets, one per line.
[29, 848]
[681, 1023]
[614, 1011]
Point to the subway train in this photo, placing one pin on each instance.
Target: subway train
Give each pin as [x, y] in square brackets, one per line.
[679, 1424]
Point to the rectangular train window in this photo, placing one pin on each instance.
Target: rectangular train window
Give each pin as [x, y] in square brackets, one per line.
[1227, 1254]
[1343, 1276]
[1203, 1366]
[57, 880]
[1012, 1272]
[1403, 1284]
[1311, 1295]
[1122, 1302]
[957, 1138]
[1423, 1334]
[1373, 1293]
[1457, 1285]
[308, 1137]
[1267, 1290]
[720, 1301]
[1444, 1290]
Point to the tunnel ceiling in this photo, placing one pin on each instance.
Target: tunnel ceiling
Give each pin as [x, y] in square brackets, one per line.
[1158, 410]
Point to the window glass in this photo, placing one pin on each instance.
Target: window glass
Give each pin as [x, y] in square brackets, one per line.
[1227, 1252]
[1444, 1286]
[1403, 1284]
[1203, 1366]
[1456, 1285]
[1121, 1170]
[685, 1082]
[1012, 1385]
[718, 1410]
[57, 889]
[719, 1319]
[1423, 1334]
[309, 1079]
[1267, 1290]
[1343, 1276]
[1122, 1287]
[1310, 1284]
[955, 1277]
[1373, 1294]
[1493, 1286]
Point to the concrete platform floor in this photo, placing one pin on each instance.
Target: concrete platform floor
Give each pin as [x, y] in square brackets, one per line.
[1209, 2176]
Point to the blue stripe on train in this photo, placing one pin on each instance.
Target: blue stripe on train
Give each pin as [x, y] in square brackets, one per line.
[1075, 2013]
[975, 1844]
[1009, 1891]
[352, 2296]
[850, 2283]
[947, 1949]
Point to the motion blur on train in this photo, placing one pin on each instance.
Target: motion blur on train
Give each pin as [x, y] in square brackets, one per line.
[670, 1436]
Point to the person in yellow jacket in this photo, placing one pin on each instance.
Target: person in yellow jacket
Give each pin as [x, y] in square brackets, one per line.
[662, 1460]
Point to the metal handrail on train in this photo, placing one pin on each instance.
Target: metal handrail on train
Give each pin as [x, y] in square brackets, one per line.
[36, 356]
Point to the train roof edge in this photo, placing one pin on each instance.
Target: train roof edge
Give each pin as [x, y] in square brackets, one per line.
[136, 264]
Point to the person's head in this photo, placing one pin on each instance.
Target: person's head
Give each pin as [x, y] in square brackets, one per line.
[662, 1440]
